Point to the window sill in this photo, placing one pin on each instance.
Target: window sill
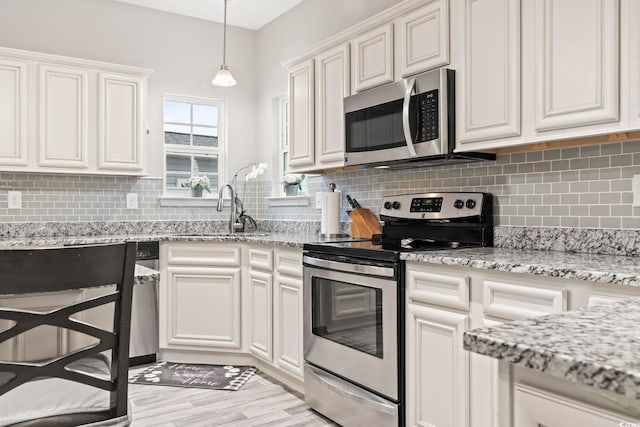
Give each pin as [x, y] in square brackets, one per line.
[188, 201]
[278, 201]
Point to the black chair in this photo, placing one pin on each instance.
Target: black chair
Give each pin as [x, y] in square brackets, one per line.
[100, 367]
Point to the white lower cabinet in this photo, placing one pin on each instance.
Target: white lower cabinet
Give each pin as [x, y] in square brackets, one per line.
[449, 386]
[287, 324]
[274, 307]
[42, 342]
[533, 407]
[260, 315]
[200, 307]
[437, 367]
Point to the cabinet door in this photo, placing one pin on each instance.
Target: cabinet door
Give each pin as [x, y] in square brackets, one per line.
[63, 117]
[534, 408]
[200, 308]
[120, 130]
[42, 342]
[489, 79]
[332, 84]
[288, 325]
[437, 368]
[424, 38]
[577, 53]
[301, 115]
[630, 15]
[13, 112]
[261, 315]
[373, 58]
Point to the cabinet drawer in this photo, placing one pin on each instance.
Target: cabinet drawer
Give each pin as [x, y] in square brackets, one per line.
[203, 255]
[534, 407]
[261, 259]
[289, 262]
[446, 290]
[513, 302]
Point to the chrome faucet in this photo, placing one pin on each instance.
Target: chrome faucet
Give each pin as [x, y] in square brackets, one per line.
[232, 217]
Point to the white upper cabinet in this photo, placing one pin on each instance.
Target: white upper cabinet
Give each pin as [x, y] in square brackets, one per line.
[63, 111]
[577, 52]
[120, 125]
[630, 13]
[545, 70]
[70, 115]
[488, 95]
[317, 88]
[13, 112]
[424, 38]
[373, 58]
[301, 115]
[332, 86]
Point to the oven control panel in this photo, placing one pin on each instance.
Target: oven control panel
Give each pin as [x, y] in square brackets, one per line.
[436, 206]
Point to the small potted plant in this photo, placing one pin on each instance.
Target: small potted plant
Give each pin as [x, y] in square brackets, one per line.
[292, 183]
[197, 183]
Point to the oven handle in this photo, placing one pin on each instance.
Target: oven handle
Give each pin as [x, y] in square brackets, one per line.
[365, 399]
[350, 268]
[411, 87]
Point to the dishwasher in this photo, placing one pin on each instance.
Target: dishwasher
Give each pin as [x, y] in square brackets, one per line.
[144, 342]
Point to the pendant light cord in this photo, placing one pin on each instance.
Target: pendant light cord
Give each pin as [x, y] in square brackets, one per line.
[224, 36]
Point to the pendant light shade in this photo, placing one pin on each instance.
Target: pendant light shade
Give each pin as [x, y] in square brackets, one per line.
[224, 76]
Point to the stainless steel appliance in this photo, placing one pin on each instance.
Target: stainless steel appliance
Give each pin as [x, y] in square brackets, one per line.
[144, 342]
[404, 122]
[353, 294]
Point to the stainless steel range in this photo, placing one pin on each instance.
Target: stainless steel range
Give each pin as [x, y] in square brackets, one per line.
[354, 304]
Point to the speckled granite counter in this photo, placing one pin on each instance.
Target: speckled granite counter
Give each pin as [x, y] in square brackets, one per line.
[279, 239]
[597, 346]
[145, 276]
[621, 270]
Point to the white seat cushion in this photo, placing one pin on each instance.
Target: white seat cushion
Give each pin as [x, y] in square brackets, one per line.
[47, 397]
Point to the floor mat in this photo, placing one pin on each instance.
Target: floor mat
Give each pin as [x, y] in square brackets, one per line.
[215, 377]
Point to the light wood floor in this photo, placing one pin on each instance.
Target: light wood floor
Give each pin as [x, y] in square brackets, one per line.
[262, 401]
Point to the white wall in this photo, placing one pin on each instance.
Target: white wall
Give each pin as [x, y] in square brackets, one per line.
[184, 52]
[289, 36]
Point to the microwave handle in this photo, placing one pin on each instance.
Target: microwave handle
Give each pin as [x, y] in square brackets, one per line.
[411, 87]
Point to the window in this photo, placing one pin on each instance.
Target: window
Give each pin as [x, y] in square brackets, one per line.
[284, 135]
[193, 140]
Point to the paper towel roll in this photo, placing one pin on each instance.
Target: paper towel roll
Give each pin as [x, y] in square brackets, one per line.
[330, 223]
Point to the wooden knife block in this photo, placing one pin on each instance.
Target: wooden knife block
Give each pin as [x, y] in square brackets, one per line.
[364, 224]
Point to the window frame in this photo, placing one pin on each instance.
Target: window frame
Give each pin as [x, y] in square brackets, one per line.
[191, 150]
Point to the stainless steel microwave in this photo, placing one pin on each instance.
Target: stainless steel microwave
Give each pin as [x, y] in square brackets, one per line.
[409, 120]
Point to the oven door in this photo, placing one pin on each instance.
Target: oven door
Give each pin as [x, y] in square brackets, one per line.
[350, 324]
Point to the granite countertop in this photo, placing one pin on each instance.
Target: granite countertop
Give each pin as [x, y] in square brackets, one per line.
[613, 269]
[145, 276]
[280, 239]
[596, 346]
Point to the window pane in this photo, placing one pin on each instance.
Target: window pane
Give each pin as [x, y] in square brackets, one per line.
[174, 134]
[207, 164]
[177, 112]
[205, 137]
[205, 115]
[177, 163]
[175, 180]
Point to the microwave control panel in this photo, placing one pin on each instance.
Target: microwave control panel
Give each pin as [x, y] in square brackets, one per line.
[429, 126]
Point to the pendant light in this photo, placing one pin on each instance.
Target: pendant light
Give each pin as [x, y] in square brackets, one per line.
[224, 76]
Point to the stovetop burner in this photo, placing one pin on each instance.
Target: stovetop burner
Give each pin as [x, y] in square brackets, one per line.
[422, 222]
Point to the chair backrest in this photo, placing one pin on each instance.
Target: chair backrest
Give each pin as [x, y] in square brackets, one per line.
[42, 270]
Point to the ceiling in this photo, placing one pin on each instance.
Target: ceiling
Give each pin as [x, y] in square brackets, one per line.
[251, 14]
